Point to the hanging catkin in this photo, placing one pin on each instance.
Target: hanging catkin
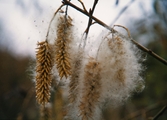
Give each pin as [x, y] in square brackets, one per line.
[91, 90]
[117, 46]
[121, 69]
[74, 79]
[43, 73]
[62, 46]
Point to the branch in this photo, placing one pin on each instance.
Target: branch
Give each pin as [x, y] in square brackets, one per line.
[90, 19]
[142, 47]
[124, 28]
[66, 2]
[159, 113]
[83, 6]
[150, 52]
[147, 109]
[90, 14]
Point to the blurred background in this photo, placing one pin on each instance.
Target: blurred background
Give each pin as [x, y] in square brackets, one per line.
[24, 22]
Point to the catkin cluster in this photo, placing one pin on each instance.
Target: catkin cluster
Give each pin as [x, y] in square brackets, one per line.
[57, 54]
[49, 55]
[108, 77]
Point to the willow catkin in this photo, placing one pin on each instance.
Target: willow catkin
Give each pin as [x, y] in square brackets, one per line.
[121, 69]
[91, 90]
[62, 46]
[74, 79]
[116, 45]
[43, 73]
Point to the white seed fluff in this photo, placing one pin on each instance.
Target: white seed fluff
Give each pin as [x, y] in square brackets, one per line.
[120, 69]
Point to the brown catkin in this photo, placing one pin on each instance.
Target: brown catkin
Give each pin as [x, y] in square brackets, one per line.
[62, 46]
[74, 79]
[91, 90]
[116, 43]
[43, 73]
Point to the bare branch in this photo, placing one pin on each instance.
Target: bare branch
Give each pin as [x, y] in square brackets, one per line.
[147, 109]
[159, 113]
[150, 52]
[90, 19]
[65, 2]
[83, 6]
[142, 47]
[89, 23]
[124, 28]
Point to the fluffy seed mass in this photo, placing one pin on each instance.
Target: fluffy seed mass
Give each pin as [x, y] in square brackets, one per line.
[74, 80]
[121, 69]
[108, 76]
[91, 90]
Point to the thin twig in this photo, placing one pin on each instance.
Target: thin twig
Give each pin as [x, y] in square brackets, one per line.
[159, 113]
[89, 23]
[147, 109]
[94, 22]
[66, 11]
[101, 45]
[52, 21]
[90, 19]
[65, 2]
[124, 28]
[94, 5]
[150, 52]
[142, 47]
[83, 6]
